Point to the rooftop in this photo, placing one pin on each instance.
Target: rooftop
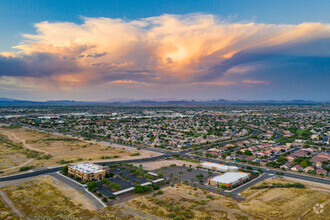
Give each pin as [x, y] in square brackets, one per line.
[230, 177]
[88, 168]
[220, 166]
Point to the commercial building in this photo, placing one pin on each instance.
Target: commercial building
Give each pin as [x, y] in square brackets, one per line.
[88, 171]
[230, 179]
[218, 167]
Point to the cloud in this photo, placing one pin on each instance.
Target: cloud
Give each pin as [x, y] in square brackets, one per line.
[249, 81]
[167, 49]
[231, 83]
[123, 82]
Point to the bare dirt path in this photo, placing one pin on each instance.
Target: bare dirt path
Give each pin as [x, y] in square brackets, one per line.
[23, 164]
[137, 214]
[13, 137]
[7, 201]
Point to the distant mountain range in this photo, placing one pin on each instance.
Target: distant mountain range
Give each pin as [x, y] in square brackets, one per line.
[125, 101]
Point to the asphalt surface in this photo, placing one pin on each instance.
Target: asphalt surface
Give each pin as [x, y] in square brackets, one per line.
[278, 135]
[250, 183]
[30, 173]
[278, 155]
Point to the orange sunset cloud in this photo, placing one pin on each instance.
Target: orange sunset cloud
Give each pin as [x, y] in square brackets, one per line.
[194, 48]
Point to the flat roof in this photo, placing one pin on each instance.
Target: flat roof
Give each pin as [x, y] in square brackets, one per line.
[221, 166]
[88, 168]
[123, 191]
[229, 177]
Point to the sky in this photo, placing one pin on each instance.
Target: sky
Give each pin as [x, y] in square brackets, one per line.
[202, 50]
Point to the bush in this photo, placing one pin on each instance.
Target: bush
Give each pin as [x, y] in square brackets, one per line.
[141, 189]
[104, 199]
[64, 161]
[171, 215]
[138, 189]
[92, 186]
[65, 170]
[298, 185]
[109, 175]
[24, 168]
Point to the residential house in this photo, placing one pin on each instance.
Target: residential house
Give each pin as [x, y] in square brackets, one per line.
[321, 171]
[286, 166]
[297, 168]
[309, 168]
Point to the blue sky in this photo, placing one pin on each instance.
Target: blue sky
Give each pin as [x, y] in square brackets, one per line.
[233, 49]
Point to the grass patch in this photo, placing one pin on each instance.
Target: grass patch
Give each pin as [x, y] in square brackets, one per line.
[187, 160]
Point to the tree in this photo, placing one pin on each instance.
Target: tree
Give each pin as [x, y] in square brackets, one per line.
[141, 189]
[92, 186]
[222, 186]
[248, 152]
[65, 170]
[138, 189]
[303, 163]
[281, 160]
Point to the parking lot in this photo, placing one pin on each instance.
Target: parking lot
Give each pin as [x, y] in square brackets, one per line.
[123, 177]
[181, 173]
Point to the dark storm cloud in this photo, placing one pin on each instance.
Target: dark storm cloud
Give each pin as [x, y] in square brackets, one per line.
[35, 65]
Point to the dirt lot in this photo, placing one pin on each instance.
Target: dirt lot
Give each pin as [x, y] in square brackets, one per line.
[45, 197]
[186, 202]
[287, 203]
[40, 199]
[63, 148]
[10, 157]
[165, 163]
[276, 203]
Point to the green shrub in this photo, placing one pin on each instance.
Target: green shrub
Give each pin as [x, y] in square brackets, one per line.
[65, 170]
[92, 186]
[24, 168]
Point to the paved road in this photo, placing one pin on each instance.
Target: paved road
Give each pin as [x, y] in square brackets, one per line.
[251, 183]
[278, 155]
[278, 135]
[80, 188]
[30, 174]
[55, 169]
